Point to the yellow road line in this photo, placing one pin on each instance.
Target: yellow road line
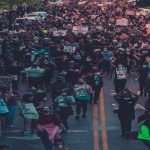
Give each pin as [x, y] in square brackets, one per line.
[102, 116]
[95, 128]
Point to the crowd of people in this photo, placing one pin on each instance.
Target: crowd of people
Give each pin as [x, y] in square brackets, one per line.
[67, 54]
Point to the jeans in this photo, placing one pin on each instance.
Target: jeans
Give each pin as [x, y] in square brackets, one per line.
[125, 123]
[46, 142]
[11, 115]
[64, 115]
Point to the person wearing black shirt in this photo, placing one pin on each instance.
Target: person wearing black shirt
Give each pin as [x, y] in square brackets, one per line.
[97, 83]
[119, 82]
[143, 69]
[126, 113]
[47, 75]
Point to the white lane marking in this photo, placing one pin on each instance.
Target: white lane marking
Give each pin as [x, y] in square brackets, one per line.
[13, 131]
[113, 93]
[115, 104]
[77, 131]
[74, 131]
[23, 137]
[137, 106]
[110, 128]
[112, 90]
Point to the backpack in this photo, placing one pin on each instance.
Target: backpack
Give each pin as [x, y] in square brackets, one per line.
[3, 107]
[97, 80]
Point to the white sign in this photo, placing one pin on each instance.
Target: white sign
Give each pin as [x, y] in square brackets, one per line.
[60, 33]
[122, 22]
[69, 49]
[28, 110]
[80, 29]
[121, 73]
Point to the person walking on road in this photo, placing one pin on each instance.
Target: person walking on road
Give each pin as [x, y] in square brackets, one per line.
[126, 113]
[83, 94]
[12, 105]
[97, 84]
[63, 107]
[48, 127]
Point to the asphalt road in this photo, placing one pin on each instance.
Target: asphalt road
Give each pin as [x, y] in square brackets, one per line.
[99, 131]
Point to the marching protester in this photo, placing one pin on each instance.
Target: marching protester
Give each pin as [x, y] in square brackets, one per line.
[63, 107]
[71, 42]
[48, 127]
[96, 83]
[27, 99]
[83, 95]
[3, 115]
[12, 105]
[34, 74]
[126, 113]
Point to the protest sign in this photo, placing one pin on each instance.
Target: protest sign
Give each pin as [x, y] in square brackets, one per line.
[22, 31]
[82, 3]
[132, 31]
[80, 29]
[14, 7]
[60, 33]
[137, 13]
[13, 32]
[103, 6]
[28, 110]
[130, 13]
[143, 13]
[121, 73]
[5, 81]
[122, 22]
[69, 49]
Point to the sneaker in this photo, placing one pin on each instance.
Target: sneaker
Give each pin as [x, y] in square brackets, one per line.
[128, 137]
[122, 135]
[77, 117]
[84, 116]
[95, 103]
